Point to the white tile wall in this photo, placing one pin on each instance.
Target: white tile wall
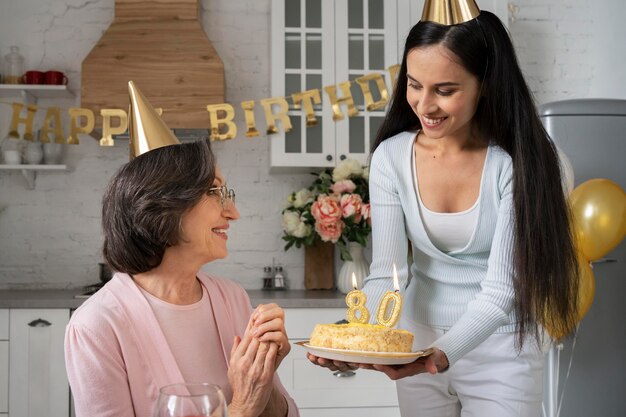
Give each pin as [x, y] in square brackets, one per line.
[50, 237]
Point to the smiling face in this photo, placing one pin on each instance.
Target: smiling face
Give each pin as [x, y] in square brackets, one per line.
[205, 225]
[442, 93]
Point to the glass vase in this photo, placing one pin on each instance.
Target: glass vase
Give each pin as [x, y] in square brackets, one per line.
[358, 265]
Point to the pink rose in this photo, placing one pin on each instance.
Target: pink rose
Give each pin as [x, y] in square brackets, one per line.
[366, 211]
[326, 210]
[351, 206]
[343, 186]
[329, 232]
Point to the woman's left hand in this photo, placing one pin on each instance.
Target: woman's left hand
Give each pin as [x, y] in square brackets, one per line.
[434, 363]
[267, 324]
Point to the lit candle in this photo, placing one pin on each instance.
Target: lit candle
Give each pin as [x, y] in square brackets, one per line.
[355, 300]
[388, 315]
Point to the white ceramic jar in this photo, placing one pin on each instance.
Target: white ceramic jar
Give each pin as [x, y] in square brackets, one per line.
[33, 154]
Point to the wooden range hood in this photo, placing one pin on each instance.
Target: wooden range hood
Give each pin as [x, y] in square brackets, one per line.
[162, 47]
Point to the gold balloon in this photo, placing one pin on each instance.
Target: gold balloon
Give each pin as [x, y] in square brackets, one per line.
[599, 208]
[586, 292]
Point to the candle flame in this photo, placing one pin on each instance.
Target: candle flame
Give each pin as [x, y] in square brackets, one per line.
[396, 283]
[354, 281]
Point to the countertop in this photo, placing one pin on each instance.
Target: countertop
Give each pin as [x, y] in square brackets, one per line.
[66, 299]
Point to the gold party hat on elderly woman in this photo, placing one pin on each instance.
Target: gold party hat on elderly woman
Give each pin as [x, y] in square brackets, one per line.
[450, 12]
[146, 129]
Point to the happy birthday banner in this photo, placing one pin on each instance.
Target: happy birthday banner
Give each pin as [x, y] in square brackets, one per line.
[222, 126]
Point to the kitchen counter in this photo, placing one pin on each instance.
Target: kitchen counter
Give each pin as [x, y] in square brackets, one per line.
[65, 298]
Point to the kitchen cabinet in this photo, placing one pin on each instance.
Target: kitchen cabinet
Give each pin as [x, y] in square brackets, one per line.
[38, 384]
[316, 44]
[322, 393]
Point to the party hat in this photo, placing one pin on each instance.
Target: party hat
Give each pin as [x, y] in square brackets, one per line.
[450, 12]
[146, 128]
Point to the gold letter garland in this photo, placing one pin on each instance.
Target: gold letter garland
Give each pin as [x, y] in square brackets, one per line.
[364, 82]
[248, 111]
[270, 117]
[227, 120]
[335, 102]
[305, 97]
[53, 114]
[28, 121]
[75, 128]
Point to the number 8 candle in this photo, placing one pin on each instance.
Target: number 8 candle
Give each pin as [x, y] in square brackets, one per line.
[355, 300]
[383, 315]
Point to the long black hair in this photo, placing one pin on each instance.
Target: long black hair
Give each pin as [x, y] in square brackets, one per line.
[544, 254]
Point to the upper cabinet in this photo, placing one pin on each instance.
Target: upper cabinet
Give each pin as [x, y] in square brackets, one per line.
[317, 44]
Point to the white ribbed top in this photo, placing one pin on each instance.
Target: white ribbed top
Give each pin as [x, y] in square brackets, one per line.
[468, 292]
[447, 231]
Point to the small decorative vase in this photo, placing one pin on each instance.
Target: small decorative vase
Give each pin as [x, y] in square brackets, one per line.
[33, 154]
[358, 265]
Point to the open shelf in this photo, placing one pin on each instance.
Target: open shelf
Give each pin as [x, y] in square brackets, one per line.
[29, 171]
[35, 90]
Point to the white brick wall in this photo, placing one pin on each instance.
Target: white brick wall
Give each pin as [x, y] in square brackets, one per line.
[50, 237]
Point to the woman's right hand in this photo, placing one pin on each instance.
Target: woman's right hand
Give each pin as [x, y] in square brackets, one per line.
[251, 375]
[331, 364]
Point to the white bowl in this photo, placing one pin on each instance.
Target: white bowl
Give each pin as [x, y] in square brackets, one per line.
[12, 157]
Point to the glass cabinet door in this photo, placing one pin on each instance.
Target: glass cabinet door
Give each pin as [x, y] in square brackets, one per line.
[304, 44]
[321, 43]
[366, 42]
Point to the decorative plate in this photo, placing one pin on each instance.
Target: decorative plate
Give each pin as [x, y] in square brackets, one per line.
[358, 356]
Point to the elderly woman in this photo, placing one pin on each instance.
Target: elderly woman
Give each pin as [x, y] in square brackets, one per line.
[161, 320]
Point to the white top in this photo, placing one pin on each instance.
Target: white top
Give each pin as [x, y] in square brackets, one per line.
[449, 232]
[467, 292]
[184, 323]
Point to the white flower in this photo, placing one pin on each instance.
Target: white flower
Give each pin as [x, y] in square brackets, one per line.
[302, 198]
[291, 219]
[293, 224]
[303, 230]
[366, 173]
[346, 169]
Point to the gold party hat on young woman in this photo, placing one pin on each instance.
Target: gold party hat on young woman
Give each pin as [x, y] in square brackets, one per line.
[450, 12]
[146, 129]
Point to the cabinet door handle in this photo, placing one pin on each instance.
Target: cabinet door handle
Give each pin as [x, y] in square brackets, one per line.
[329, 158]
[39, 323]
[344, 374]
[342, 157]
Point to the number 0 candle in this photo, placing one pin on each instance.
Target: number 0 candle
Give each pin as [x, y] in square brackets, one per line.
[355, 300]
[388, 315]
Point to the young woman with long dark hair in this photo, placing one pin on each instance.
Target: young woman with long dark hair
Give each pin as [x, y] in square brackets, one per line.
[465, 179]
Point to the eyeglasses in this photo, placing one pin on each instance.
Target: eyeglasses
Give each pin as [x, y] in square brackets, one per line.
[224, 192]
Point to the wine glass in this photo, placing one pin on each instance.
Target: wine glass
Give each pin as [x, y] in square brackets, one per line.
[190, 400]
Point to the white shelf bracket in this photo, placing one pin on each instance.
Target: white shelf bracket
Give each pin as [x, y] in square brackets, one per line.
[30, 176]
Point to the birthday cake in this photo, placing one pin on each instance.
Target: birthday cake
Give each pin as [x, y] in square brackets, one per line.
[363, 337]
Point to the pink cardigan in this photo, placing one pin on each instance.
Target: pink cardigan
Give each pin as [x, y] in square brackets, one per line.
[117, 357]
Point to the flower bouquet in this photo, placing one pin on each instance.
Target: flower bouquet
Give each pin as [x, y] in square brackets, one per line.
[335, 208]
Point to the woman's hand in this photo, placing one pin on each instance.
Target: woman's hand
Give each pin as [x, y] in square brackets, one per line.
[434, 363]
[251, 374]
[331, 364]
[267, 324]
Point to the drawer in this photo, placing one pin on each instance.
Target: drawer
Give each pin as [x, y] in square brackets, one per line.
[299, 322]
[309, 384]
[350, 412]
[4, 324]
